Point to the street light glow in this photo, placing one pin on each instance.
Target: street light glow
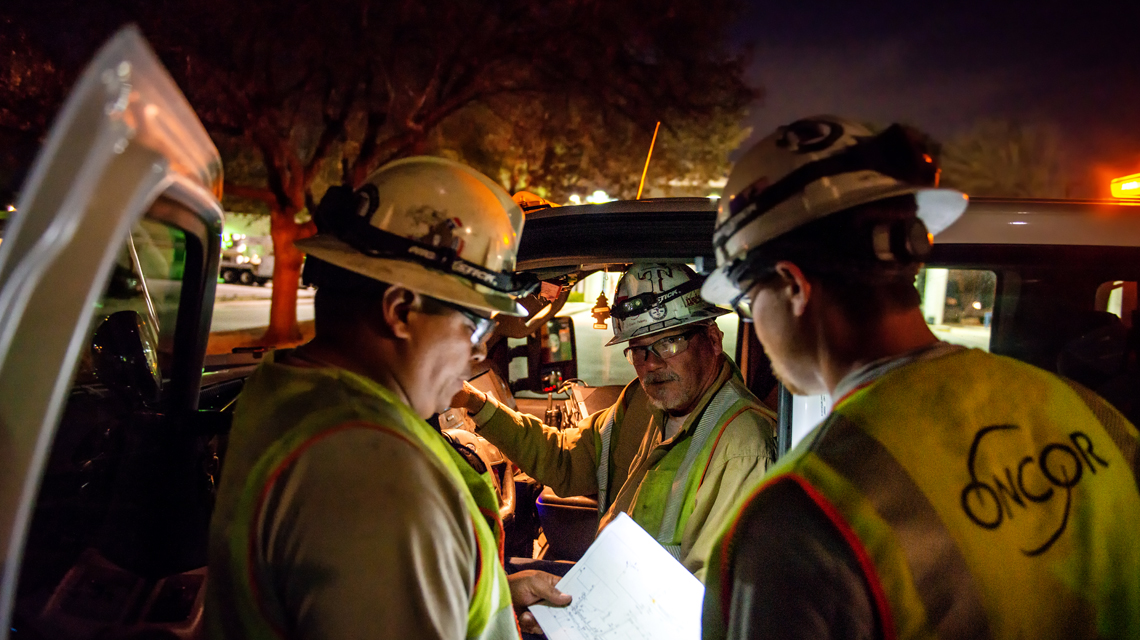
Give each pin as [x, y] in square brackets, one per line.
[599, 197]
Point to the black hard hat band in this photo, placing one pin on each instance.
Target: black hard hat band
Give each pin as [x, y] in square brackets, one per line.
[644, 302]
[336, 216]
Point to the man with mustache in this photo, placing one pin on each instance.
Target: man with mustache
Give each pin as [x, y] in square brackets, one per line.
[704, 437]
[951, 493]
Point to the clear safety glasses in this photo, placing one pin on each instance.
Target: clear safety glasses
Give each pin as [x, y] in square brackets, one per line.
[664, 348]
[482, 326]
[743, 306]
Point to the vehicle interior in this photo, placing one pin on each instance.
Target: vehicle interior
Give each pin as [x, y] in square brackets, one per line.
[117, 545]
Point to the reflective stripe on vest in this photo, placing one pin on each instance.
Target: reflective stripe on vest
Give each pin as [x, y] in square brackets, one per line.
[713, 414]
[606, 446]
[942, 580]
[246, 611]
[603, 470]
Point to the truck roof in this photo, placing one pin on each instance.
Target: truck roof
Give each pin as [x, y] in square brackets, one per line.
[680, 229]
[1046, 222]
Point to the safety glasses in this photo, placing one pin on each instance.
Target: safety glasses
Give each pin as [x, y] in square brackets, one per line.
[482, 326]
[664, 348]
[743, 306]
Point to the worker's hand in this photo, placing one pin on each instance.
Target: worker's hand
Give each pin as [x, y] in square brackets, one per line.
[531, 586]
[469, 398]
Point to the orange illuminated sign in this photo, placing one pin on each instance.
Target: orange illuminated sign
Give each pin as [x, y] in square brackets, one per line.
[1126, 187]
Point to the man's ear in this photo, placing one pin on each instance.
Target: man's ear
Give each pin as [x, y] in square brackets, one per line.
[796, 288]
[395, 307]
[716, 336]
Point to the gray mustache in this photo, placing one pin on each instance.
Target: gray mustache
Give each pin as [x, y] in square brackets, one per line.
[657, 378]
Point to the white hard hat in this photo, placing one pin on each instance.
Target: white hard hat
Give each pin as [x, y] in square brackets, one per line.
[429, 224]
[813, 168]
[651, 298]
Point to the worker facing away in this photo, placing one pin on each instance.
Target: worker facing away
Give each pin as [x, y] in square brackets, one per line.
[950, 493]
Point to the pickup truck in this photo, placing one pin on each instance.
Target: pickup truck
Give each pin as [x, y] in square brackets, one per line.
[113, 420]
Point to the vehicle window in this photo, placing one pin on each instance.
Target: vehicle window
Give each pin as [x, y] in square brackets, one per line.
[1099, 351]
[89, 511]
[161, 252]
[959, 304]
[147, 279]
[1118, 298]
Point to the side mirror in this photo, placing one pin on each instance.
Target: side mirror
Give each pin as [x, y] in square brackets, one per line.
[125, 359]
[552, 356]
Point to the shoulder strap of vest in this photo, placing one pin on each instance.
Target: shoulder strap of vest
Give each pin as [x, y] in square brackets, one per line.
[888, 492]
[717, 407]
[606, 435]
[603, 471]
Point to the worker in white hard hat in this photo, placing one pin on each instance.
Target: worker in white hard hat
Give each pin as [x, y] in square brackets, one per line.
[341, 512]
[701, 436]
[951, 493]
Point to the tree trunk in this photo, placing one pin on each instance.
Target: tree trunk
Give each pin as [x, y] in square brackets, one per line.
[284, 229]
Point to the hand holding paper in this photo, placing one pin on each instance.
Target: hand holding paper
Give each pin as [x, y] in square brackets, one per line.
[626, 586]
[530, 587]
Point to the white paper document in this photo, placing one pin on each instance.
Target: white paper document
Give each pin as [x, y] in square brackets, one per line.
[626, 586]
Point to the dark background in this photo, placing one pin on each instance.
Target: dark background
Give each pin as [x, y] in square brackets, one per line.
[944, 66]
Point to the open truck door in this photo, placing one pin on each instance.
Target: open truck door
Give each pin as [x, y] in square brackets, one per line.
[125, 138]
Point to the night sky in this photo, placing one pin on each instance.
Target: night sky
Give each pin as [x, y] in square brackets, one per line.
[944, 67]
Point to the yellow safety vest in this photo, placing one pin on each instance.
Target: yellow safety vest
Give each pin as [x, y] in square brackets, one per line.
[983, 498]
[240, 588]
[667, 494]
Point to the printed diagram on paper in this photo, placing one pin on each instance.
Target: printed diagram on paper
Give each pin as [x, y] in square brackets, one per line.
[626, 586]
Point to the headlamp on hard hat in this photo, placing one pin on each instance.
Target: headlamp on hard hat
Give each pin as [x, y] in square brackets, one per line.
[644, 302]
[345, 214]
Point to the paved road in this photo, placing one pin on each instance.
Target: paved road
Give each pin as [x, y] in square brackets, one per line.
[240, 307]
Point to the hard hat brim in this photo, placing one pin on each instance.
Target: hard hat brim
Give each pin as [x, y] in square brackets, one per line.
[699, 316]
[719, 288]
[937, 208]
[411, 275]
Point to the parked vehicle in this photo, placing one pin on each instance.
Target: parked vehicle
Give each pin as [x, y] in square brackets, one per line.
[240, 265]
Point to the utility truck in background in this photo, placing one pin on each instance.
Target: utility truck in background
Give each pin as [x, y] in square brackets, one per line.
[247, 259]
